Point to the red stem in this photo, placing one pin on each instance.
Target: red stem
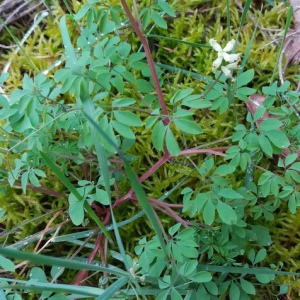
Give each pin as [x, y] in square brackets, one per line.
[144, 41]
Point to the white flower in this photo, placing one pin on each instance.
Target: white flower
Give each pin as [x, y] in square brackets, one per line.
[232, 59]
[215, 45]
[217, 63]
[226, 71]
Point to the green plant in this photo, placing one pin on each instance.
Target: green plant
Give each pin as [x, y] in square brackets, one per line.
[82, 124]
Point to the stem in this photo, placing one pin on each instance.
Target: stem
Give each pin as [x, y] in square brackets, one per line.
[167, 156]
[144, 41]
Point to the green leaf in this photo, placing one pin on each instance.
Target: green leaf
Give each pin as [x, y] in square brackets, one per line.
[158, 135]
[247, 286]
[234, 292]
[102, 197]
[260, 256]
[224, 169]
[265, 145]
[181, 94]
[171, 143]
[229, 193]
[246, 91]
[295, 166]
[175, 295]
[127, 118]
[158, 20]
[144, 86]
[270, 124]
[188, 126]
[278, 138]
[105, 25]
[209, 212]
[166, 8]
[201, 277]
[76, 210]
[7, 264]
[226, 213]
[123, 102]
[290, 159]
[123, 130]
[146, 16]
[244, 78]
[292, 204]
[118, 83]
[264, 278]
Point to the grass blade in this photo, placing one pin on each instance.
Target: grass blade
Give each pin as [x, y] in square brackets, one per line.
[53, 261]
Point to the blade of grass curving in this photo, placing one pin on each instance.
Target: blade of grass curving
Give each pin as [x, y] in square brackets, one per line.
[67, 42]
[73, 190]
[41, 287]
[178, 41]
[53, 261]
[113, 288]
[287, 26]
[140, 193]
[242, 270]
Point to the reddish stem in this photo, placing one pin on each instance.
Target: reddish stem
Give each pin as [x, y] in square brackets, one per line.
[144, 41]
[164, 159]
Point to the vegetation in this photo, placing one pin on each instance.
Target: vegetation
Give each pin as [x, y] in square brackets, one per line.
[148, 152]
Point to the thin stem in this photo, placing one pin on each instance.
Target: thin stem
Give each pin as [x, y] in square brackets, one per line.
[144, 41]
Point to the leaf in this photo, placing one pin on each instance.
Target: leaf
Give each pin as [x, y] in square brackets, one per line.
[229, 193]
[226, 213]
[158, 135]
[202, 276]
[244, 78]
[278, 138]
[123, 102]
[260, 256]
[102, 197]
[247, 286]
[234, 292]
[292, 204]
[158, 20]
[127, 118]
[76, 210]
[188, 126]
[181, 94]
[270, 124]
[295, 166]
[265, 145]
[209, 212]
[7, 264]
[106, 25]
[264, 278]
[290, 159]
[118, 83]
[166, 8]
[224, 169]
[144, 86]
[123, 130]
[175, 295]
[171, 143]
